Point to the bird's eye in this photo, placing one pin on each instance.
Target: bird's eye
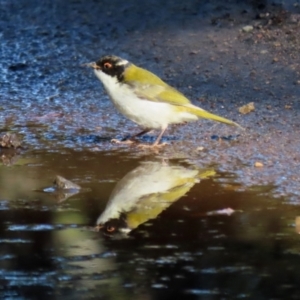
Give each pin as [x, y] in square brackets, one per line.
[107, 65]
[110, 228]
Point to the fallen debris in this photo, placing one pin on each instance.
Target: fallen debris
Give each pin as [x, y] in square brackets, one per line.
[10, 140]
[63, 188]
[65, 184]
[258, 164]
[226, 211]
[247, 28]
[247, 108]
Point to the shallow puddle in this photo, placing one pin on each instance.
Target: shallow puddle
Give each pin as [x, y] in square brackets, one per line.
[165, 229]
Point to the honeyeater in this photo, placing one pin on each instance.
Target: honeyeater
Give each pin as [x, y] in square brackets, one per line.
[143, 193]
[145, 99]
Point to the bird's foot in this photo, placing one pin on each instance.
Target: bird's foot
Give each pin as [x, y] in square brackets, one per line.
[152, 146]
[125, 142]
[97, 228]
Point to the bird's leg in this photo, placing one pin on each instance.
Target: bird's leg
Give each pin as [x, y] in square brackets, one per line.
[156, 143]
[130, 140]
[160, 136]
[140, 133]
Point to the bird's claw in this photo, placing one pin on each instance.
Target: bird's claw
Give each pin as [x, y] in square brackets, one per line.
[141, 146]
[152, 146]
[126, 142]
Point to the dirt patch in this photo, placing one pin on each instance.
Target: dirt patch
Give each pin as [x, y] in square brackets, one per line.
[202, 49]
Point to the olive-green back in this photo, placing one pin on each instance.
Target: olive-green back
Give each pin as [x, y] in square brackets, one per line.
[151, 87]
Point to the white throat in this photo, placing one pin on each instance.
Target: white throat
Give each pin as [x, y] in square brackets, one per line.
[110, 83]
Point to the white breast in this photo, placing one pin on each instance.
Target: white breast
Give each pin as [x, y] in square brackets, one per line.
[148, 114]
[148, 179]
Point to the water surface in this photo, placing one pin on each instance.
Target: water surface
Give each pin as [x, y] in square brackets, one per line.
[205, 238]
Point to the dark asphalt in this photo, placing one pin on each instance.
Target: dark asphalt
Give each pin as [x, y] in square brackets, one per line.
[201, 49]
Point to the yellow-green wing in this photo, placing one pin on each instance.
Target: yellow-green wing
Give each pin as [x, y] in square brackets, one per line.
[151, 87]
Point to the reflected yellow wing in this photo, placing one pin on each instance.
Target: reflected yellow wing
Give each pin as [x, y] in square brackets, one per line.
[150, 206]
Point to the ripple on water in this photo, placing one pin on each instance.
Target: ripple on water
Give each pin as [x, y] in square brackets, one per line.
[41, 227]
[15, 241]
[202, 292]
[229, 269]
[7, 257]
[19, 278]
[4, 205]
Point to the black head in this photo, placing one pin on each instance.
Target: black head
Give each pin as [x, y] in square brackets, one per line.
[112, 65]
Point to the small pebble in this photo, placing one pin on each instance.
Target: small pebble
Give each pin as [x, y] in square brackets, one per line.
[258, 164]
[247, 28]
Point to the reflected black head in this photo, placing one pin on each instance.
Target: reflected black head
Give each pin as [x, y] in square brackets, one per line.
[112, 65]
[114, 226]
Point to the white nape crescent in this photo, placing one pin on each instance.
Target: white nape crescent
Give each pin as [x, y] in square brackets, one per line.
[122, 62]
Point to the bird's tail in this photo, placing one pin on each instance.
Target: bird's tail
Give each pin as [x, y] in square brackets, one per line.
[206, 173]
[201, 113]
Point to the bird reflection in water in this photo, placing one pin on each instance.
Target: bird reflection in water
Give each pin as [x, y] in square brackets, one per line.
[144, 193]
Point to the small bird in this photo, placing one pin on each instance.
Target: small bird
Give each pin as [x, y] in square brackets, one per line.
[143, 193]
[145, 99]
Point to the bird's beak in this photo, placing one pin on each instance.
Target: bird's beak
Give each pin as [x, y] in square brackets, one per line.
[92, 65]
[98, 227]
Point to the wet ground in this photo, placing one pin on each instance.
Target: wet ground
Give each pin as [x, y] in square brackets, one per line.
[202, 238]
[220, 227]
